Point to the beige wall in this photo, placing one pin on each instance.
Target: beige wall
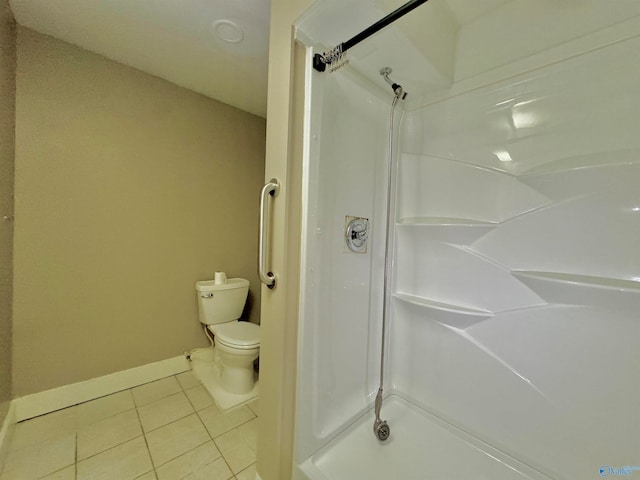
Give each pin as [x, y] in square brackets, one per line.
[7, 124]
[128, 190]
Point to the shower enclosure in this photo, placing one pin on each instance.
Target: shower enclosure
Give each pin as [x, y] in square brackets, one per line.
[513, 344]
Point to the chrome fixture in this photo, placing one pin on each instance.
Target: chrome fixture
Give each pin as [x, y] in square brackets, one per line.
[380, 427]
[397, 89]
[267, 277]
[356, 234]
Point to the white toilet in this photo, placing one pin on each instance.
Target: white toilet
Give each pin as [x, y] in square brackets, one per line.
[237, 344]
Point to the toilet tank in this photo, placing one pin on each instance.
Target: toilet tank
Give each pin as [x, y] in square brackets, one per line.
[220, 303]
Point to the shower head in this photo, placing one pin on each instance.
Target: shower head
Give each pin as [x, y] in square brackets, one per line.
[397, 89]
[381, 430]
[380, 427]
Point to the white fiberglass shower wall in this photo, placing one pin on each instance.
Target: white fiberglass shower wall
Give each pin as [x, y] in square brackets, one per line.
[513, 343]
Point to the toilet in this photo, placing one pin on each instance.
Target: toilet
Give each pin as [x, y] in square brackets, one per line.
[237, 343]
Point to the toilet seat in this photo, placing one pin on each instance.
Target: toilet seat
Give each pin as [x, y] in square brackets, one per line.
[240, 335]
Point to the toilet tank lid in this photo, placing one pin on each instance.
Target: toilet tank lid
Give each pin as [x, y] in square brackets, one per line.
[211, 286]
[241, 334]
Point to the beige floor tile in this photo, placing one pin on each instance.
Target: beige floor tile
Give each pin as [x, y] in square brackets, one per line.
[108, 433]
[124, 462]
[69, 420]
[164, 411]
[217, 470]
[187, 380]
[247, 473]
[199, 397]
[189, 463]
[238, 447]
[46, 427]
[240, 458]
[218, 422]
[150, 392]
[171, 441]
[148, 476]
[104, 407]
[68, 473]
[249, 431]
[41, 459]
[254, 405]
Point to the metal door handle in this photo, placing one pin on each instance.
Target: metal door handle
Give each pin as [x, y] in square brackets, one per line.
[270, 189]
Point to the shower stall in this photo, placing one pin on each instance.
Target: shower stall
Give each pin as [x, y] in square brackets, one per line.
[512, 347]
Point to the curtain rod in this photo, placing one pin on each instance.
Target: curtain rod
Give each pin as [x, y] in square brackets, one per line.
[320, 61]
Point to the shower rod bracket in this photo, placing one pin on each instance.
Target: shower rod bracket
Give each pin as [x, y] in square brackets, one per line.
[336, 54]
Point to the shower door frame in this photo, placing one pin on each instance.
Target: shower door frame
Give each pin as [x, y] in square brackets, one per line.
[279, 306]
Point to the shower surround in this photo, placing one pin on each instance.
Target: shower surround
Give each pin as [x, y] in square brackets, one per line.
[512, 347]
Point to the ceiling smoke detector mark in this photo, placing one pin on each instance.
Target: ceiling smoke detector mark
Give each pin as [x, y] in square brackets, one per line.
[228, 31]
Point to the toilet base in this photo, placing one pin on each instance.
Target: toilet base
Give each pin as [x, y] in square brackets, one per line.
[205, 370]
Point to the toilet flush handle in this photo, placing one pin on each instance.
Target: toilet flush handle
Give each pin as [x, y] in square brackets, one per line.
[207, 295]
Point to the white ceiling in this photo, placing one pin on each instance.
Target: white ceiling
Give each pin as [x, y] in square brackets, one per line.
[172, 39]
[175, 40]
[465, 11]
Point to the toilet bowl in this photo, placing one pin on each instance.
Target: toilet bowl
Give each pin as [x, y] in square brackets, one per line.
[236, 343]
[238, 346]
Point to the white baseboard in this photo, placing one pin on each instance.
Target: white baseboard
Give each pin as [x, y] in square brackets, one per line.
[6, 432]
[48, 401]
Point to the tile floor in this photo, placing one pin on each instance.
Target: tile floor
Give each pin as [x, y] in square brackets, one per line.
[164, 430]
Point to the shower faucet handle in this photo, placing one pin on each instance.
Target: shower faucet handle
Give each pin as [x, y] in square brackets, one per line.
[357, 233]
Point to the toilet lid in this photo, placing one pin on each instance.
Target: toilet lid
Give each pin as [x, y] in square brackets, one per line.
[238, 334]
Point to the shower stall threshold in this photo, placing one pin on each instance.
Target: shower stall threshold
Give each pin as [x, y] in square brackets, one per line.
[421, 447]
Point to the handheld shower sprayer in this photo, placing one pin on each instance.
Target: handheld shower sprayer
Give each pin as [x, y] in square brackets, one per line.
[381, 428]
[397, 88]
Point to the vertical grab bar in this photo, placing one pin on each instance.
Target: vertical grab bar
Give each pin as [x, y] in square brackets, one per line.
[270, 189]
